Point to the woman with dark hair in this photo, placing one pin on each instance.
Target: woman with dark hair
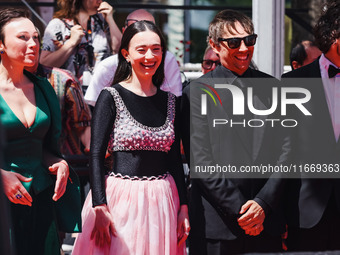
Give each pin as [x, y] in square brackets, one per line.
[82, 33]
[34, 174]
[140, 207]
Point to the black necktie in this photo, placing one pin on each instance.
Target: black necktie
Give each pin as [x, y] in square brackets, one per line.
[332, 71]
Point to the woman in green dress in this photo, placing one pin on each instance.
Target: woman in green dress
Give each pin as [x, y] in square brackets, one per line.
[34, 174]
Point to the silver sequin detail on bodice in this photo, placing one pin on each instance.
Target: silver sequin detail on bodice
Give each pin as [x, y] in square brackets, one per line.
[128, 134]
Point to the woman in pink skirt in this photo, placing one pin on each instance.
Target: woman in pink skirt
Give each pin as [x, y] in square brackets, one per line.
[140, 206]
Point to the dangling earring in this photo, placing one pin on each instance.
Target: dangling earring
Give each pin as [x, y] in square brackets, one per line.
[2, 52]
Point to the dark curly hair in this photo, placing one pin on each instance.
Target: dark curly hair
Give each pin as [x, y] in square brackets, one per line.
[327, 28]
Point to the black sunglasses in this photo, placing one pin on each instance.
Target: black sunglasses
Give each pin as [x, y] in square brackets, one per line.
[235, 42]
[207, 64]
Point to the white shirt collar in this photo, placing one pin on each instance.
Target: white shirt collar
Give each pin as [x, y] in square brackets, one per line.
[324, 65]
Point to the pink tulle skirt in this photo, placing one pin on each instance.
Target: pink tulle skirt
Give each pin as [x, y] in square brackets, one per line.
[144, 214]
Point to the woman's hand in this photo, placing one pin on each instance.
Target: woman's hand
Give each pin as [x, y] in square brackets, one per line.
[107, 10]
[13, 188]
[77, 34]
[60, 169]
[183, 226]
[116, 35]
[103, 226]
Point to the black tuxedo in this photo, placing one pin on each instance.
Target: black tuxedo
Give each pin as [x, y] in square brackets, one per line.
[235, 146]
[309, 200]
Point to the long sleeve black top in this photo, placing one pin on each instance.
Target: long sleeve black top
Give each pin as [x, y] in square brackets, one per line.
[149, 111]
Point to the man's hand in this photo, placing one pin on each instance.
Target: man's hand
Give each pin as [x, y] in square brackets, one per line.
[252, 219]
[256, 230]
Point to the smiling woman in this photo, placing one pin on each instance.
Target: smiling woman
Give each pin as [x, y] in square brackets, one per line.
[31, 121]
[140, 206]
[145, 55]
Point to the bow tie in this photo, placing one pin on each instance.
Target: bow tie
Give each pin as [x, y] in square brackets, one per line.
[332, 71]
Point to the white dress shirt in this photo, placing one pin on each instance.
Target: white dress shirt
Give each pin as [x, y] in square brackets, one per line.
[104, 73]
[332, 90]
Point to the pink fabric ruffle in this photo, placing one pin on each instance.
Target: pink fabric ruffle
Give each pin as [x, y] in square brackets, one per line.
[144, 215]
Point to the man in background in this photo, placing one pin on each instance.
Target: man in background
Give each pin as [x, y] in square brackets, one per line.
[210, 60]
[303, 54]
[313, 204]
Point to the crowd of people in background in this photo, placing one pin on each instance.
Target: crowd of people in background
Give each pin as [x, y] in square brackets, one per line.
[134, 112]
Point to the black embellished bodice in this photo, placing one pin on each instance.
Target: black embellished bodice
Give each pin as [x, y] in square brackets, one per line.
[142, 134]
[130, 135]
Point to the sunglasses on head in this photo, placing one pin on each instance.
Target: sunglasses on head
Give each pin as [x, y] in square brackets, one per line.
[235, 42]
[207, 64]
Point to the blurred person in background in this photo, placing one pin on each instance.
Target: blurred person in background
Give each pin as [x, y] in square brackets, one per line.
[303, 54]
[82, 33]
[210, 60]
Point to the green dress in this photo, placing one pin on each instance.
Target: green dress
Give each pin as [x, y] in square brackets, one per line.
[35, 230]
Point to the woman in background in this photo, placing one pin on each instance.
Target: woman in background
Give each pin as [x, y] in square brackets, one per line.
[141, 206]
[82, 33]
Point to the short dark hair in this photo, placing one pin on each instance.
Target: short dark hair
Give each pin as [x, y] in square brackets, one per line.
[327, 28]
[298, 54]
[227, 19]
[124, 69]
[7, 14]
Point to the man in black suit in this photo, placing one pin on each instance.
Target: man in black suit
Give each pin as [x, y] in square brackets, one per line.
[242, 214]
[313, 204]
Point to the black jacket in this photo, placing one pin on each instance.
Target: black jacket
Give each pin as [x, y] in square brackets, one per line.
[234, 146]
[314, 143]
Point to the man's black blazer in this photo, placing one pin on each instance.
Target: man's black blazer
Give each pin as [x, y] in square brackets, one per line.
[314, 143]
[226, 145]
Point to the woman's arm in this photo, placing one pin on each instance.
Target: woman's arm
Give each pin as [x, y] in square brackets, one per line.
[58, 57]
[115, 34]
[60, 168]
[101, 128]
[102, 123]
